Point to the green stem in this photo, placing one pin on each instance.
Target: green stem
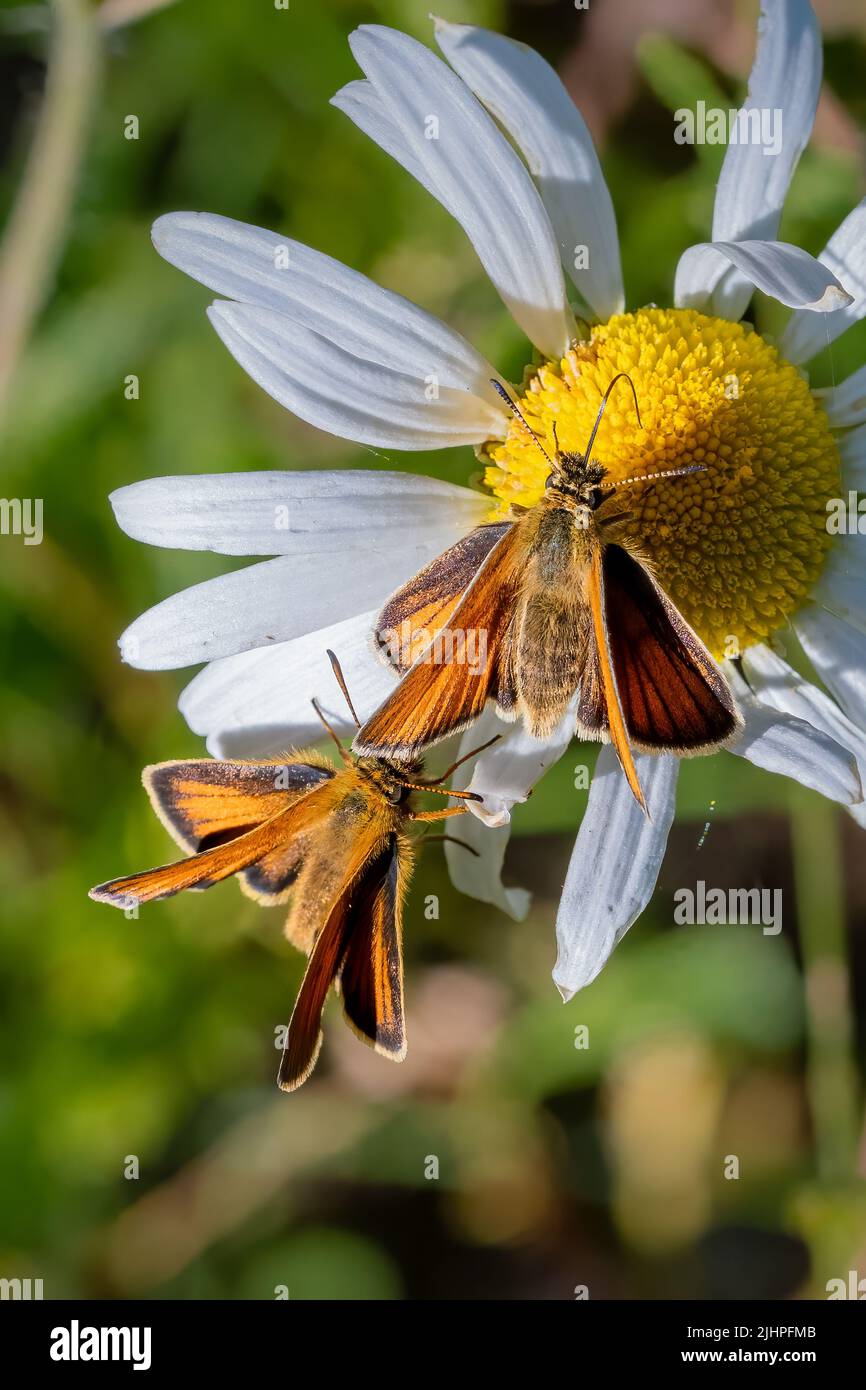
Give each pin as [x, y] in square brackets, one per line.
[831, 1072]
[36, 229]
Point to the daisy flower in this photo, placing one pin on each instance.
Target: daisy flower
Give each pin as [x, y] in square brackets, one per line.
[742, 547]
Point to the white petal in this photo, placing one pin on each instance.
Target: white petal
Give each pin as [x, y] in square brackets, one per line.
[476, 174]
[614, 866]
[258, 703]
[783, 86]
[778, 684]
[271, 602]
[786, 272]
[792, 747]
[479, 875]
[255, 266]
[528, 99]
[837, 650]
[845, 404]
[842, 593]
[845, 256]
[507, 772]
[852, 451]
[361, 103]
[285, 513]
[328, 386]
[841, 587]
[698, 269]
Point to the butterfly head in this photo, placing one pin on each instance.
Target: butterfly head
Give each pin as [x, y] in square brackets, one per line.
[394, 777]
[393, 780]
[575, 483]
[574, 480]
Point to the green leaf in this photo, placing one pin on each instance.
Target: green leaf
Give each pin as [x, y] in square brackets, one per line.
[680, 80]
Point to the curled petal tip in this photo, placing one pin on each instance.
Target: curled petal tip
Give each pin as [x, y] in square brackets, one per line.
[834, 297]
[566, 992]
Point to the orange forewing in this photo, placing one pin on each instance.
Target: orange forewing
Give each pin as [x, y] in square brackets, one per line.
[203, 802]
[419, 609]
[605, 684]
[210, 866]
[442, 696]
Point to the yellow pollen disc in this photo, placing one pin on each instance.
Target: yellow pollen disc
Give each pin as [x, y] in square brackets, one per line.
[737, 546]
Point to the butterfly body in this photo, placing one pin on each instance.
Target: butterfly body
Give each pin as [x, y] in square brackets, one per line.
[550, 630]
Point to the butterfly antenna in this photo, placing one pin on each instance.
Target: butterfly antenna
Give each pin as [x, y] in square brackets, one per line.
[515, 410]
[604, 400]
[343, 754]
[341, 681]
[473, 753]
[440, 791]
[666, 473]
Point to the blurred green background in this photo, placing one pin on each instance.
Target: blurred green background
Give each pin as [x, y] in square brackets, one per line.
[559, 1166]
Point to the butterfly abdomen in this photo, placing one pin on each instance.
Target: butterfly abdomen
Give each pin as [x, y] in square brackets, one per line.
[551, 648]
[552, 625]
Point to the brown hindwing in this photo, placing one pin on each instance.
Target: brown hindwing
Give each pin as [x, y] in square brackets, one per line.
[371, 977]
[674, 698]
[359, 944]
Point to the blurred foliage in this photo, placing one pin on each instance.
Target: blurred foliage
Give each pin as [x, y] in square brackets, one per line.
[558, 1165]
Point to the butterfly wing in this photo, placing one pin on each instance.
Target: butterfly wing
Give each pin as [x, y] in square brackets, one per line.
[449, 684]
[235, 817]
[359, 946]
[371, 978]
[674, 697]
[204, 802]
[416, 612]
[649, 682]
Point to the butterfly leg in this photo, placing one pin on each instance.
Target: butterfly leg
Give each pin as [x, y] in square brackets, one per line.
[616, 519]
[438, 815]
[449, 840]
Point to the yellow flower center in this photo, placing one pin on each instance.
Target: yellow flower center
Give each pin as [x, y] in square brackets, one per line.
[739, 545]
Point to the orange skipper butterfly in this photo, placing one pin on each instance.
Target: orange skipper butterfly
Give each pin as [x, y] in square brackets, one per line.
[335, 841]
[564, 608]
